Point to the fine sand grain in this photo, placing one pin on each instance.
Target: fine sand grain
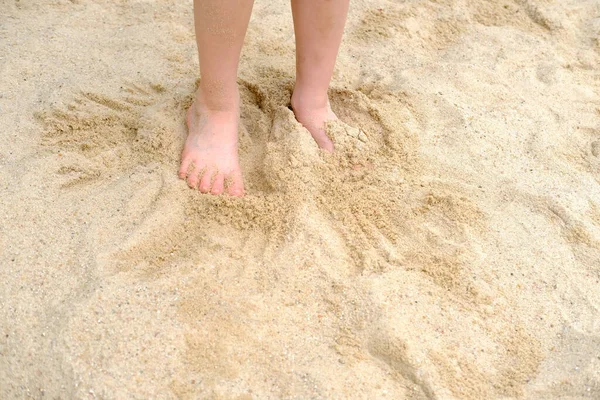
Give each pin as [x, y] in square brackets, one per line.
[449, 249]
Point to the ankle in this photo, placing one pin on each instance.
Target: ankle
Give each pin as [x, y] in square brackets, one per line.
[222, 114]
[303, 99]
[217, 100]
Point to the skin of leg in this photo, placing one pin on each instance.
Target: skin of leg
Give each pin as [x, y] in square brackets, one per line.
[319, 26]
[211, 148]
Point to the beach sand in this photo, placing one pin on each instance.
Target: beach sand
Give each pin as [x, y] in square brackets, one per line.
[449, 249]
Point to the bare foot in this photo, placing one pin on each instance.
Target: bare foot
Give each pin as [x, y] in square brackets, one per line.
[211, 149]
[312, 114]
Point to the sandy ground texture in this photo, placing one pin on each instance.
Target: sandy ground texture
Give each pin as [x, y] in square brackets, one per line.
[450, 249]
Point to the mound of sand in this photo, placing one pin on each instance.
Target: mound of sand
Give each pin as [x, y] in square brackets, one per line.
[450, 248]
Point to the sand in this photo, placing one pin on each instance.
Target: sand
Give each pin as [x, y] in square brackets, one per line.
[449, 249]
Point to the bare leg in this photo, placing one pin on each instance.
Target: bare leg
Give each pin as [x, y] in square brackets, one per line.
[211, 148]
[319, 25]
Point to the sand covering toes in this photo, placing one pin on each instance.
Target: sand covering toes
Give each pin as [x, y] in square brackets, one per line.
[292, 156]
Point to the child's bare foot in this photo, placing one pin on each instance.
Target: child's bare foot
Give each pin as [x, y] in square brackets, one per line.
[211, 148]
[312, 113]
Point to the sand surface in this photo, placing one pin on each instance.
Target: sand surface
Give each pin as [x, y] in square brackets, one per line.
[450, 249]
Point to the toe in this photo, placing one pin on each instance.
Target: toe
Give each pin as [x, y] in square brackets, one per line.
[327, 145]
[218, 185]
[236, 187]
[192, 177]
[205, 181]
[323, 140]
[185, 164]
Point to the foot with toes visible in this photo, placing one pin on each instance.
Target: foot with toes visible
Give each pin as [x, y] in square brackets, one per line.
[209, 161]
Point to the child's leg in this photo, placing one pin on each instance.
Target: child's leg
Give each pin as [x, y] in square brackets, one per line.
[319, 25]
[211, 145]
